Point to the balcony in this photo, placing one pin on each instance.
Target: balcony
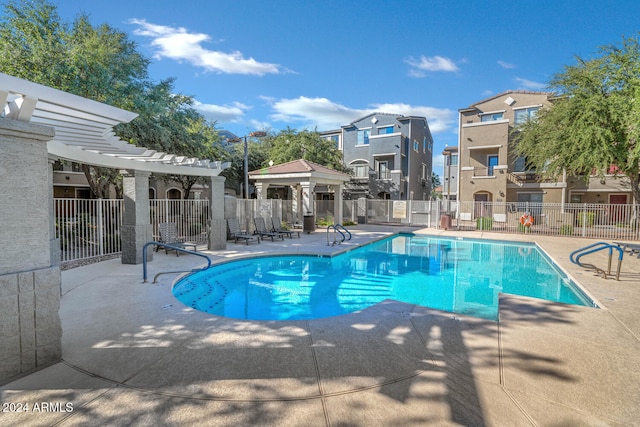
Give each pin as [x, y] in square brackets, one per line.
[484, 171]
[528, 178]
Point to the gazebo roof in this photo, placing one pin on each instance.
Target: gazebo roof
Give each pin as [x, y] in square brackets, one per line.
[84, 130]
[297, 171]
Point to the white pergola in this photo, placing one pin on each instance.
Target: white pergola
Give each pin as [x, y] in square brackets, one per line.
[83, 133]
[84, 130]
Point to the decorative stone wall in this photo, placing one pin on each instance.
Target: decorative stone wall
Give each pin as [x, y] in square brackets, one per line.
[30, 328]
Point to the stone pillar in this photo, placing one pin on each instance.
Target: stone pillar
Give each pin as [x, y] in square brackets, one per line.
[218, 228]
[337, 203]
[295, 204]
[30, 328]
[307, 197]
[136, 226]
[261, 190]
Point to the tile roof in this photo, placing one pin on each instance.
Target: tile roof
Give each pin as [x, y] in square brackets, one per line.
[296, 166]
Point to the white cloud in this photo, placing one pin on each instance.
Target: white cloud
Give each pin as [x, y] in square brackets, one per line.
[439, 119]
[326, 114]
[530, 84]
[420, 66]
[181, 45]
[222, 113]
[506, 65]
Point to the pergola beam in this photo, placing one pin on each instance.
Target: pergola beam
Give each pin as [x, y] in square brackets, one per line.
[84, 130]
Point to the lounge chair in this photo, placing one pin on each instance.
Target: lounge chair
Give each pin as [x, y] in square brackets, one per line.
[261, 229]
[237, 234]
[169, 235]
[276, 224]
[633, 248]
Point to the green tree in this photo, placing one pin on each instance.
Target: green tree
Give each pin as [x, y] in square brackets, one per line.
[594, 123]
[258, 156]
[101, 63]
[290, 144]
[168, 123]
[435, 182]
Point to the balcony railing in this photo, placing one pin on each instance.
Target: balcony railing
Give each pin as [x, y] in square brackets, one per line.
[483, 171]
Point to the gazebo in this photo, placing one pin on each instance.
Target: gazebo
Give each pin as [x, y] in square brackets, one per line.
[302, 176]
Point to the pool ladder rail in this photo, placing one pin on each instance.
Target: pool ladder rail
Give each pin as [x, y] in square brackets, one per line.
[579, 253]
[336, 229]
[177, 248]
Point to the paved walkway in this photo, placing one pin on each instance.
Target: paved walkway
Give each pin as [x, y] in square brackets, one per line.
[133, 355]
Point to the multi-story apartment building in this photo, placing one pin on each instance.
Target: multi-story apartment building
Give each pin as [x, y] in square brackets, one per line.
[489, 171]
[390, 156]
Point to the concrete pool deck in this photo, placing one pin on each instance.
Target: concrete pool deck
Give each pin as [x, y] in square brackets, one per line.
[134, 355]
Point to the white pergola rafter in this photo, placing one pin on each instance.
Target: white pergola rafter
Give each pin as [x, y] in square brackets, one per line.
[84, 130]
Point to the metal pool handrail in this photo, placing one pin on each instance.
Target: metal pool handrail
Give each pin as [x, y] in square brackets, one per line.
[338, 226]
[335, 228]
[177, 248]
[577, 254]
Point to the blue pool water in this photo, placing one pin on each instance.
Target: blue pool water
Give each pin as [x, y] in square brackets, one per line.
[456, 275]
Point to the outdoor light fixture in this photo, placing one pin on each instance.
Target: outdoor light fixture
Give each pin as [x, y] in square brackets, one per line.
[256, 134]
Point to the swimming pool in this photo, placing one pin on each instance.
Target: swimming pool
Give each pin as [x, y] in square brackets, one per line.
[457, 275]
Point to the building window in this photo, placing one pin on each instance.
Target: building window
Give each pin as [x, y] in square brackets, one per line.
[530, 197]
[385, 130]
[363, 136]
[524, 114]
[427, 146]
[335, 139]
[492, 162]
[416, 146]
[383, 170]
[490, 117]
[360, 169]
[576, 198]
[453, 160]
[520, 165]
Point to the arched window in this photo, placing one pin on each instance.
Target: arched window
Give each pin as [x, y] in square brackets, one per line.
[360, 168]
[174, 194]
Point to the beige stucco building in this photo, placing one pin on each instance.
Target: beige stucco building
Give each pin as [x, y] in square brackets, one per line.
[491, 172]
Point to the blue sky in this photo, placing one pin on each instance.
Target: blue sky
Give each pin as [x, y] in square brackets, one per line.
[257, 64]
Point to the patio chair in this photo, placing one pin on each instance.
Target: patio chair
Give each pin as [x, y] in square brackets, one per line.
[276, 225]
[237, 234]
[169, 235]
[261, 229]
[633, 248]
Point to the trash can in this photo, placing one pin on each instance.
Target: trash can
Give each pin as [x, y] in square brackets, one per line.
[308, 224]
[445, 221]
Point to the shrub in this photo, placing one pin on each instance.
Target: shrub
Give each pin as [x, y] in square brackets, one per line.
[586, 219]
[484, 223]
[566, 229]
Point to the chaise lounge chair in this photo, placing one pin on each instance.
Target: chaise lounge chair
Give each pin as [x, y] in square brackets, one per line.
[633, 248]
[169, 235]
[237, 234]
[276, 224]
[261, 229]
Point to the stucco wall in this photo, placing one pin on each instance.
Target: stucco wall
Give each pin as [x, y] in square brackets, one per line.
[30, 329]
